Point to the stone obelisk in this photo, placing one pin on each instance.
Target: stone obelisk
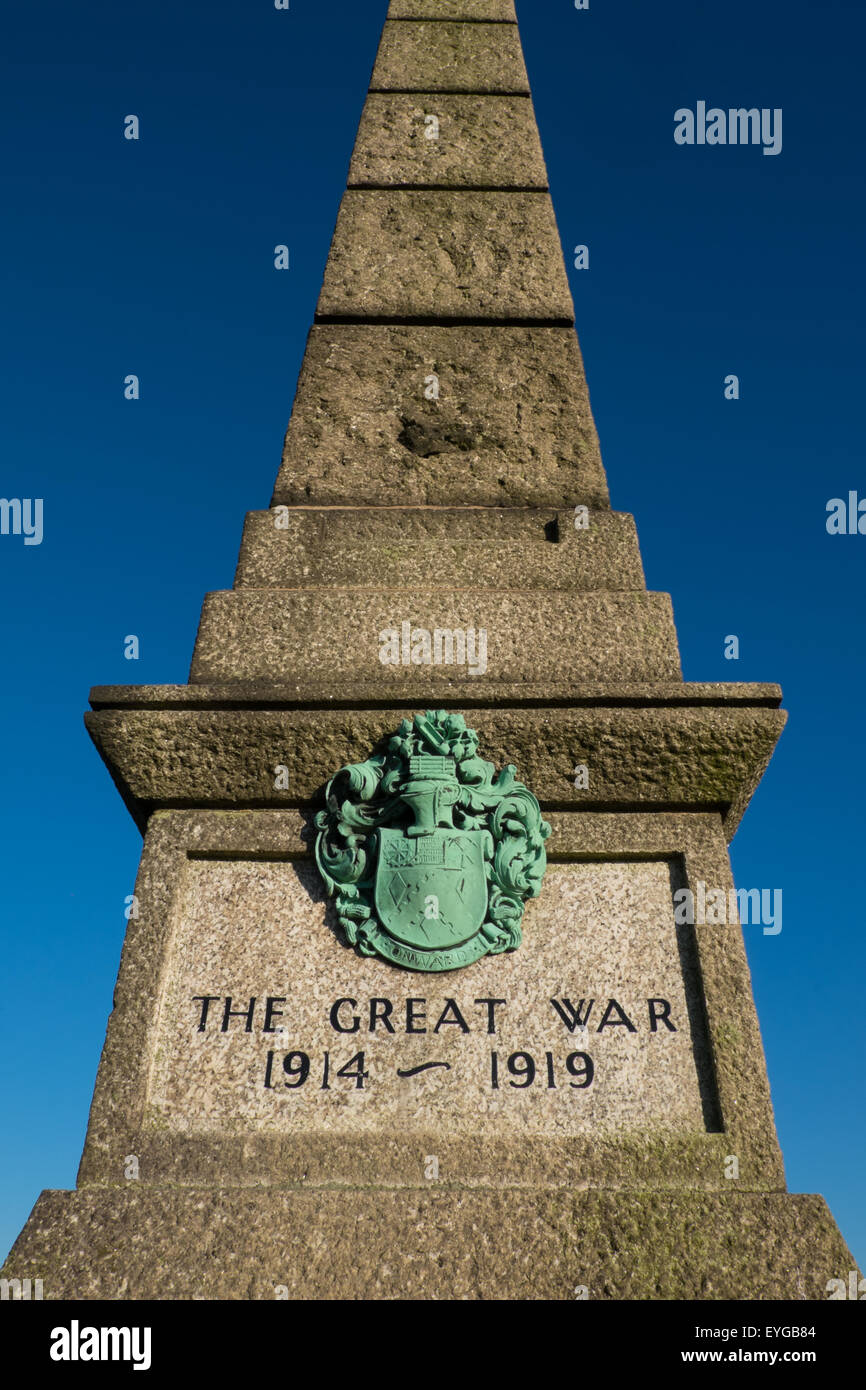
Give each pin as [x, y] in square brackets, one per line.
[327, 1072]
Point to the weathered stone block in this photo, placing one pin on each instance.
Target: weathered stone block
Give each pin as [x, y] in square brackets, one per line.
[511, 426]
[218, 745]
[450, 57]
[482, 142]
[446, 255]
[294, 551]
[448, 1243]
[256, 634]
[502, 10]
[502, 526]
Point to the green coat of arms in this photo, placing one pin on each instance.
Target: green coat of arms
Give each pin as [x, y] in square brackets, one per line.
[429, 854]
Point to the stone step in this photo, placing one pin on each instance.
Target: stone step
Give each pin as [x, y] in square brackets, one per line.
[361, 634]
[433, 416]
[350, 549]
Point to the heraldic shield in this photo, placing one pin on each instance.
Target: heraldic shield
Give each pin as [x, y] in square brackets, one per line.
[430, 853]
[431, 890]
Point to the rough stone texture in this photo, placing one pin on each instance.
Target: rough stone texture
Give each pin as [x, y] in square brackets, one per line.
[502, 10]
[308, 549]
[121, 1123]
[667, 756]
[483, 142]
[512, 426]
[335, 527]
[633, 1161]
[446, 255]
[331, 528]
[256, 695]
[259, 634]
[358, 1243]
[601, 932]
[450, 57]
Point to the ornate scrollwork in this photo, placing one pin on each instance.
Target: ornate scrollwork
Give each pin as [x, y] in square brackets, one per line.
[461, 823]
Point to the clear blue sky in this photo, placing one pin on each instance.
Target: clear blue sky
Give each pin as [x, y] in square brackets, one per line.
[156, 258]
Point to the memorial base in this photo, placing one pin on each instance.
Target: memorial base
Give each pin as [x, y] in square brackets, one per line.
[427, 1243]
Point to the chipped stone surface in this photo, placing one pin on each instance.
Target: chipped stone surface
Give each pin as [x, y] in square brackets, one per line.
[446, 255]
[444, 56]
[483, 142]
[512, 425]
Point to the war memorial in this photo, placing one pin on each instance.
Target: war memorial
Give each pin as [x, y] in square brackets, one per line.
[434, 985]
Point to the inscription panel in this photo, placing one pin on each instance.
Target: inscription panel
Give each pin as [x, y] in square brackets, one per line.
[269, 1023]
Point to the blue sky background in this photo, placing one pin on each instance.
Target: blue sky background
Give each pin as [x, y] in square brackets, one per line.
[156, 258]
